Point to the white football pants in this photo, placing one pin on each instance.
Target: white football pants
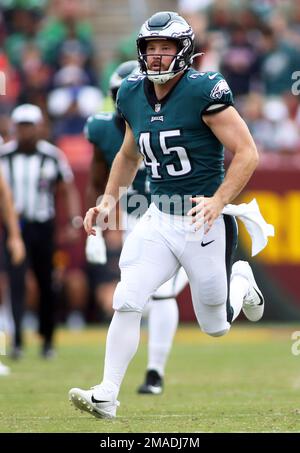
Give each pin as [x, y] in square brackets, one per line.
[172, 287]
[157, 247]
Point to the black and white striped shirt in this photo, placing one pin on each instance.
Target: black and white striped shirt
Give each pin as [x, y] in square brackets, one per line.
[32, 178]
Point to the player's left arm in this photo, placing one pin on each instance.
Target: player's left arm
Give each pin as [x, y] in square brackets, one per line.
[233, 133]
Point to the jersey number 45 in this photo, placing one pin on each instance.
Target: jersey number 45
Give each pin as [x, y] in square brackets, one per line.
[182, 168]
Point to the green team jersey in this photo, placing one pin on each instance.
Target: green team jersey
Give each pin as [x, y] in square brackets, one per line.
[182, 155]
[106, 131]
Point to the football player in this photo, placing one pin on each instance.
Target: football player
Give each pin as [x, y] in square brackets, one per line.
[181, 119]
[106, 132]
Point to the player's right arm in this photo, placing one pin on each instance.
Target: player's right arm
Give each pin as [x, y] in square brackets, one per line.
[122, 174]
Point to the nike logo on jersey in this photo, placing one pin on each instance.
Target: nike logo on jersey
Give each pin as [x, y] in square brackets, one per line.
[211, 77]
[206, 243]
[98, 401]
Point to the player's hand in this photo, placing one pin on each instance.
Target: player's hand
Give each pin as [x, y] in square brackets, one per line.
[91, 218]
[16, 249]
[95, 248]
[206, 211]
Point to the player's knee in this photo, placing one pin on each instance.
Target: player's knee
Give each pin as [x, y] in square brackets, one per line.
[125, 299]
[213, 299]
[217, 333]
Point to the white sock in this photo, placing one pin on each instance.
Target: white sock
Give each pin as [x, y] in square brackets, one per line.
[162, 325]
[238, 289]
[121, 345]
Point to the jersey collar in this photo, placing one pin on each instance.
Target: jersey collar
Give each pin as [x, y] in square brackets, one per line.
[151, 96]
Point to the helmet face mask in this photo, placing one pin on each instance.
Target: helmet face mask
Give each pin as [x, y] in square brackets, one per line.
[166, 26]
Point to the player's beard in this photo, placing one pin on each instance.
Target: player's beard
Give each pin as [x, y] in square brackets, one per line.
[159, 66]
[158, 72]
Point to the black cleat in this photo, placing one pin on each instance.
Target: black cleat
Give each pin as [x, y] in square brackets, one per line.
[153, 384]
[47, 351]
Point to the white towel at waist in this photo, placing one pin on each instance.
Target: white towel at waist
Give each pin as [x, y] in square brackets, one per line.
[254, 222]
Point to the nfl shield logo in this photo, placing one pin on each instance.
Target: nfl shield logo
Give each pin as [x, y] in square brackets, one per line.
[157, 108]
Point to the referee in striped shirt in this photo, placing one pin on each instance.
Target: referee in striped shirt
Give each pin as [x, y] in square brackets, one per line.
[35, 169]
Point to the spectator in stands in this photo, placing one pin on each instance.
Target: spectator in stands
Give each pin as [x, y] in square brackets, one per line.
[220, 16]
[126, 50]
[284, 136]
[35, 77]
[2, 29]
[193, 6]
[24, 19]
[72, 101]
[271, 125]
[66, 22]
[12, 84]
[278, 62]
[259, 126]
[240, 61]
[199, 23]
[294, 24]
[73, 53]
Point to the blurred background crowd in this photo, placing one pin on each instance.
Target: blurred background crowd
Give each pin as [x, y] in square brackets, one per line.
[59, 55]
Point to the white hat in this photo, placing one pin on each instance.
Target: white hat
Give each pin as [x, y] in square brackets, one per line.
[27, 113]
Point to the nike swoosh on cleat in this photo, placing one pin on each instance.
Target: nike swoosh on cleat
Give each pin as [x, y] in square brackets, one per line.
[260, 297]
[206, 243]
[98, 401]
[211, 77]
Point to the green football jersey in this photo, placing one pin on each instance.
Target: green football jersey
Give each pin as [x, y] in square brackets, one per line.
[106, 131]
[182, 155]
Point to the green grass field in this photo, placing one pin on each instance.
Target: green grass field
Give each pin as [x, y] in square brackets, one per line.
[248, 381]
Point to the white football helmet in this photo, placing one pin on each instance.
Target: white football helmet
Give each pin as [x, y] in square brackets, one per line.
[166, 25]
[123, 70]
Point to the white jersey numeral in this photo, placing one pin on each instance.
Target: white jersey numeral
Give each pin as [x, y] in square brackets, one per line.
[149, 158]
[152, 162]
[181, 152]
